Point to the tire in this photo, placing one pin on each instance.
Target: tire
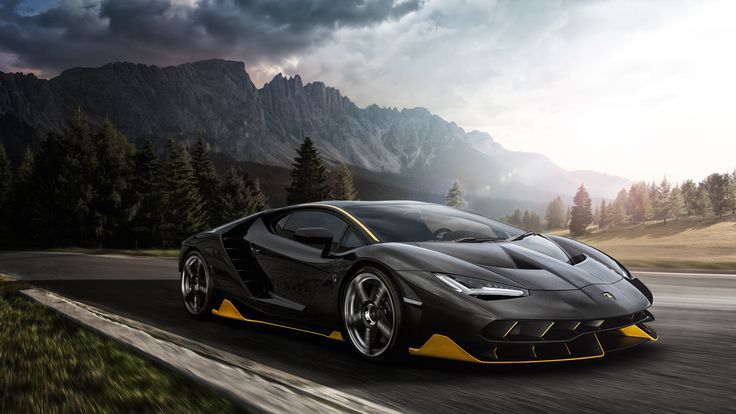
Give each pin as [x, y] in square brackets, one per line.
[196, 286]
[372, 312]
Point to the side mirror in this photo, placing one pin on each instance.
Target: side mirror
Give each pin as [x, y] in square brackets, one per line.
[315, 235]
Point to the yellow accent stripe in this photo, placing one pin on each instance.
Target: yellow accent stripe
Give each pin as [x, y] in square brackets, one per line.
[567, 348]
[228, 310]
[636, 332]
[510, 329]
[440, 346]
[351, 217]
[551, 324]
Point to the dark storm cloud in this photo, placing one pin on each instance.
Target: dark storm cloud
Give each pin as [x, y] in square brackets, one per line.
[93, 32]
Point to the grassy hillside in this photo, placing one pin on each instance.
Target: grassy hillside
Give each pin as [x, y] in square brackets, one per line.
[689, 243]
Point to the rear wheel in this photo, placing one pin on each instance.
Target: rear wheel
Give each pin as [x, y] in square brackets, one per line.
[372, 314]
[196, 286]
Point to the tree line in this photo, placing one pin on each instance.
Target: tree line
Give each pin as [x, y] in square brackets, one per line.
[87, 185]
[531, 221]
[715, 195]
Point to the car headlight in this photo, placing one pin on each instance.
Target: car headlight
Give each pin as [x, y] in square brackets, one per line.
[479, 288]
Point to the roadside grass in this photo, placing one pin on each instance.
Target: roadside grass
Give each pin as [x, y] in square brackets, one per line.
[691, 243]
[129, 252]
[49, 365]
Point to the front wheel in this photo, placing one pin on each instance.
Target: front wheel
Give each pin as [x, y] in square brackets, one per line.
[196, 286]
[372, 314]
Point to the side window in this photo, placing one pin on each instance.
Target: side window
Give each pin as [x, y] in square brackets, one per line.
[314, 218]
[351, 240]
[278, 227]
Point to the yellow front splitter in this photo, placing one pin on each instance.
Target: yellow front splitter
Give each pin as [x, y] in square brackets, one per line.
[441, 346]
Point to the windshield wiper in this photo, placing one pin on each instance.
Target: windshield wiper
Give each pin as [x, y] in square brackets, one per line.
[476, 239]
[524, 235]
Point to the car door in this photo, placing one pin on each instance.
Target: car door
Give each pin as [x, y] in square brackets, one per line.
[297, 271]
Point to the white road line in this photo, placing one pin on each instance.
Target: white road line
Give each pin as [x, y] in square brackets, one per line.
[689, 302]
[256, 386]
[681, 274]
[102, 255]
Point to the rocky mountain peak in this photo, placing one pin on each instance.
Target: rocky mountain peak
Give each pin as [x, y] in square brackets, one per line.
[283, 86]
[266, 125]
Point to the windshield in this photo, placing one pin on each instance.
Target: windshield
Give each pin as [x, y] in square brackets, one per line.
[429, 222]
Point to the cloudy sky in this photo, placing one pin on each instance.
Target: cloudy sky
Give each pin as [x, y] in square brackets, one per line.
[633, 88]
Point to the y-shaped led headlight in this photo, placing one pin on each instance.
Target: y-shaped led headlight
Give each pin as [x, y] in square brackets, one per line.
[479, 288]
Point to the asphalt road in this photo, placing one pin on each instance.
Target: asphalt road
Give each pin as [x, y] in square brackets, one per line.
[691, 369]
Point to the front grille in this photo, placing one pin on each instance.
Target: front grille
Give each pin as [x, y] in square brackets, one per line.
[551, 331]
[586, 346]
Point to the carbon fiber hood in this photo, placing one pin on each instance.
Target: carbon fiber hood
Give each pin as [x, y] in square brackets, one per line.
[536, 263]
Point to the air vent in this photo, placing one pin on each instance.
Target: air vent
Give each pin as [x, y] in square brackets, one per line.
[239, 252]
[541, 331]
[522, 263]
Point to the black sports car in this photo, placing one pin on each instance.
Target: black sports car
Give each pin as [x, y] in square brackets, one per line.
[392, 277]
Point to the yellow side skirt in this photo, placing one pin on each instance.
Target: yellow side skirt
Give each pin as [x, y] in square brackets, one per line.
[440, 346]
[228, 310]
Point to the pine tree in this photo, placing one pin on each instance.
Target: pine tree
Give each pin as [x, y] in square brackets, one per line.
[555, 214]
[704, 205]
[114, 154]
[581, 215]
[717, 187]
[604, 216]
[258, 200]
[676, 203]
[234, 196]
[78, 170]
[535, 222]
[240, 196]
[596, 215]
[63, 186]
[663, 195]
[21, 200]
[49, 210]
[617, 213]
[732, 191]
[344, 188]
[690, 195]
[515, 218]
[622, 199]
[525, 220]
[207, 179]
[639, 204]
[182, 204]
[654, 200]
[144, 212]
[308, 176]
[6, 186]
[456, 196]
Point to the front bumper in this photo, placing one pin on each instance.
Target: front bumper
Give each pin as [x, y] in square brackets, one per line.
[531, 341]
[544, 326]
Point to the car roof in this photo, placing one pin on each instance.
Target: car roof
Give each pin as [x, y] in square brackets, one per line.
[345, 203]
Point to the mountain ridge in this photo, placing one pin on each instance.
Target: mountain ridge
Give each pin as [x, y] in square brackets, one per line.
[266, 124]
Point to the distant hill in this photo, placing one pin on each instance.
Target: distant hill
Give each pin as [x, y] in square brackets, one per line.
[689, 243]
[265, 126]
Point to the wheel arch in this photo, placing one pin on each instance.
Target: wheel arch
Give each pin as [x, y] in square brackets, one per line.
[185, 251]
[367, 262]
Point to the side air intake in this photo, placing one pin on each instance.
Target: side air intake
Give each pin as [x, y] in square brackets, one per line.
[238, 250]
